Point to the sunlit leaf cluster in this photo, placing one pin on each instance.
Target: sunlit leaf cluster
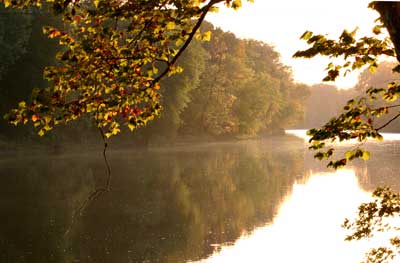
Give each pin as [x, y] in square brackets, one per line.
[376, 217]
[113, 56]
[357, 52]
[358, 121]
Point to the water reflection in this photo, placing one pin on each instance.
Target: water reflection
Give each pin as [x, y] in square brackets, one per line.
[307, 227]
[166, 206]
[253, 201]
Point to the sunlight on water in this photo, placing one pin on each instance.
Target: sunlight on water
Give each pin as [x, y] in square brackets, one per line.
[299, 133]
[307, 228]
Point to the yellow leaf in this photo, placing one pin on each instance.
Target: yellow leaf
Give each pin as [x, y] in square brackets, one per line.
[47, 118]
[179, 42]
[22, 104]
[131, 127]
[365, 155]
[170, 25]
[47, 128]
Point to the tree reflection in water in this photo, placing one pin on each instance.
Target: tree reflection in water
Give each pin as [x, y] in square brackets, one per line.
[166, 205]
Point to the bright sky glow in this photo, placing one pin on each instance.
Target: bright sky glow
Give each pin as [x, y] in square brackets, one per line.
[281, 23]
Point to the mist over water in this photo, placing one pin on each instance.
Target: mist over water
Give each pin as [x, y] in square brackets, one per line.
[249, 201]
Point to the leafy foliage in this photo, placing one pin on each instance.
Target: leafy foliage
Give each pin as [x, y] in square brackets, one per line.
[359, 117]
[376, 217]
[113, 57]
[243, 94]
[357, 53]
[229, 88]
[358, 121]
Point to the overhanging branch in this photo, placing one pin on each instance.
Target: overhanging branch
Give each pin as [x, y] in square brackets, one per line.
[204, 12]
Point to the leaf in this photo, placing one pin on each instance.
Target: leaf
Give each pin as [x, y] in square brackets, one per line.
[306, 35]
[131, 127]
[365, 155]
[179, 42]
[170, 25]
[207, 36]
[349, 155]
[236, 4]
[22, 104]
[396, 69]
[376, 30]
[7, 3]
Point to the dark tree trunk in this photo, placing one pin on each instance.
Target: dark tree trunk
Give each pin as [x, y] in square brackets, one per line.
[390, 16]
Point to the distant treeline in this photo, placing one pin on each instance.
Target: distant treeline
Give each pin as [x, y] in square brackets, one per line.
[230, 88]
[326, 101]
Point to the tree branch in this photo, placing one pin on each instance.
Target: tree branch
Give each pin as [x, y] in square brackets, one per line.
[387, 123]
[205, 10]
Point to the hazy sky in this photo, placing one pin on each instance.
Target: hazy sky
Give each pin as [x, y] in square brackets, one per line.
[281, 23]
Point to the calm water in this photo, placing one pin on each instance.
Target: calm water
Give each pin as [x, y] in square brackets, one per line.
[252, 201]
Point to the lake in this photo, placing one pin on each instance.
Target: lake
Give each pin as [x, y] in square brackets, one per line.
[249, 201]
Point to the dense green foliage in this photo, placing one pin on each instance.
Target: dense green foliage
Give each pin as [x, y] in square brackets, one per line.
[236, 88]
[112, 58]
[228, 88]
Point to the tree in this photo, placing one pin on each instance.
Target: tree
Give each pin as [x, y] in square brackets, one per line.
[325, 102]
[175, 98]
[358, 121]
[114, 55]
[24, 52]
[378, 78]
[15, 32]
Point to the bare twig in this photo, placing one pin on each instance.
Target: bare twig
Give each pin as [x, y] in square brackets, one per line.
[98, 191]
[387, 123]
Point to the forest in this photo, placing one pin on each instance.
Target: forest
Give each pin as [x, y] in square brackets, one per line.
[230, 88]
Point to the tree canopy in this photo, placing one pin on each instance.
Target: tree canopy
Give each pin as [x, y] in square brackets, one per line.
[112, 58]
